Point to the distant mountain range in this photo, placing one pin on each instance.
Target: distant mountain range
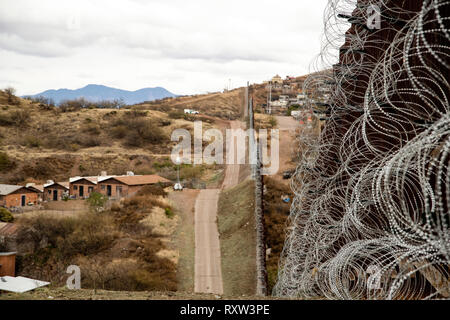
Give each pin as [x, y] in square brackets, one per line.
[95, 93]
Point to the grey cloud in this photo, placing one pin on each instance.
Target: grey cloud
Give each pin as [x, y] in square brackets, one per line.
[136, 39]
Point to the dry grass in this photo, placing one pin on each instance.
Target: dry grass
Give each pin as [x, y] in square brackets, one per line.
[236, 222]
[124, 248]
[226, 105]
[45, 143]
[276, 213]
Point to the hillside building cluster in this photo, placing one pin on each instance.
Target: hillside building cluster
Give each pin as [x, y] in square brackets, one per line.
[112, 186]
[287, 94]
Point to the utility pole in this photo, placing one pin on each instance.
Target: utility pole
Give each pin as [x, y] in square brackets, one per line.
[269, 99]
[178, 170]
[246, 105]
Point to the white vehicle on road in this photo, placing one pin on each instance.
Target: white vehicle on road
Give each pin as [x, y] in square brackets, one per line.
[190, 111]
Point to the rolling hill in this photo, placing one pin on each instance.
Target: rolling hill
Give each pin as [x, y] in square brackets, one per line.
[95, 92]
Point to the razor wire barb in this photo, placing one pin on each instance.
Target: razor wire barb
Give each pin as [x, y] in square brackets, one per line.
[370, 216]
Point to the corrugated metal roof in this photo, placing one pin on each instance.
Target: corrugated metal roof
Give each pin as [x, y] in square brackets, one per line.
[127, 179]
[8, 229]
[62, 184]
[140, 180]
[6, 189]
[40, 187]
[91, 179]
[20, 284]
[5, 254]
[65, 184]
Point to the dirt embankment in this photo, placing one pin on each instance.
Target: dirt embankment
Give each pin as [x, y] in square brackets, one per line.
[236, 222]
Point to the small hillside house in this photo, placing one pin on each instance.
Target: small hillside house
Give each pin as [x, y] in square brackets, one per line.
[82, 187]
[55, 191]
[123, 186]
[12, 196]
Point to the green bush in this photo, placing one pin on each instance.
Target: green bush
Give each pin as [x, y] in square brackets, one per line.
[292, 108]
[97, 201]
[273, 121]
[5, 215]
[166, 164]
[169, 213]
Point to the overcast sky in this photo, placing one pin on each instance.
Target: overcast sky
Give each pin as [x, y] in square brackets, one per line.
[185, 46]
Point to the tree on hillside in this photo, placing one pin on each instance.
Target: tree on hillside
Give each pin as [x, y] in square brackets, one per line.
[10, 93]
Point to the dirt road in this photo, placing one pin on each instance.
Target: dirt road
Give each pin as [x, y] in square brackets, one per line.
[232, 170]
[287, 123]
[208, 271]
[208, 266]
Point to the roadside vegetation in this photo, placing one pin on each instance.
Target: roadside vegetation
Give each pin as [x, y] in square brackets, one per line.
[120, 248]
[5, 215]
[236, 223]
[276, 212]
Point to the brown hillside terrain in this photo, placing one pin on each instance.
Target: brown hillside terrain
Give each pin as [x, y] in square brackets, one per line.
[39, 142]
[226, 105]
